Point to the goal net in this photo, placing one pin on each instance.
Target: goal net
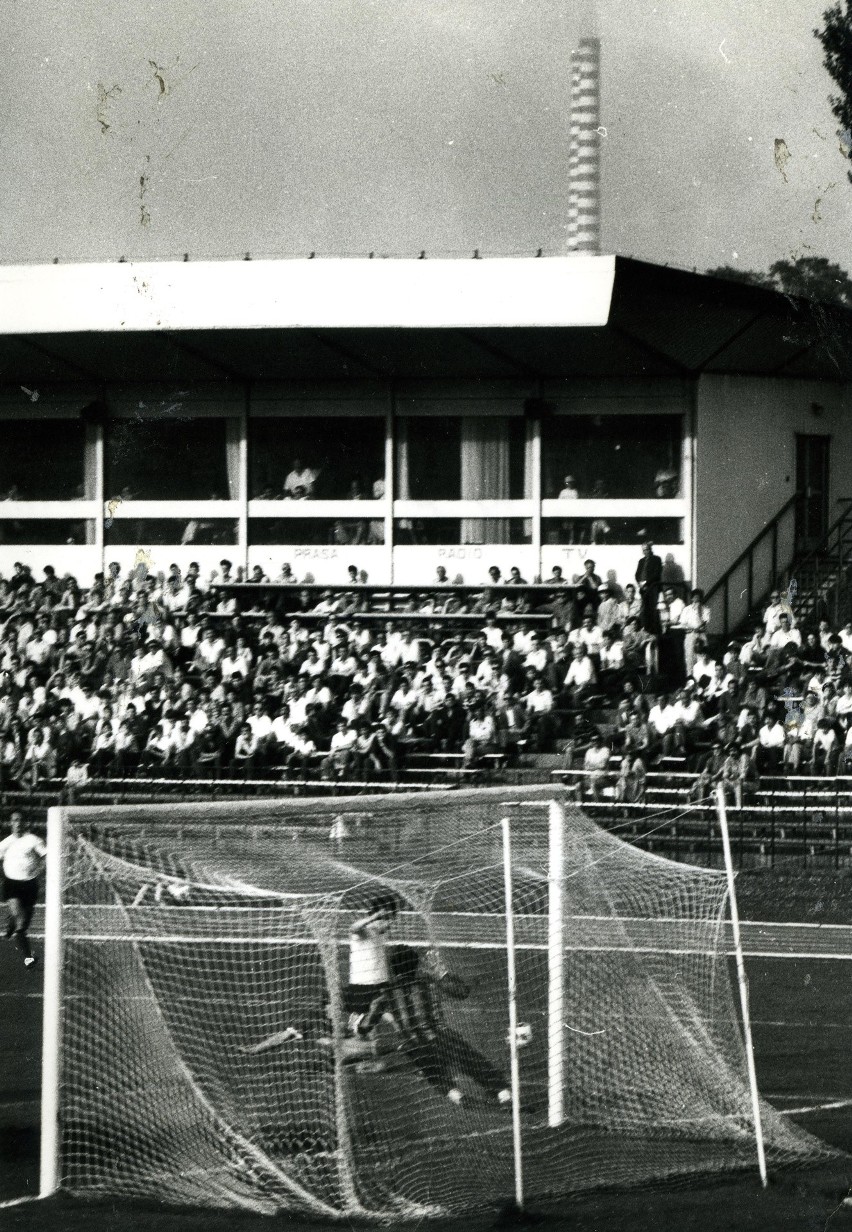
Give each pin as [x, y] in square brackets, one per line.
[217, 1046]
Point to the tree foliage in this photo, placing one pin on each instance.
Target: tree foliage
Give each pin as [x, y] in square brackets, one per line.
[836, 39]
[814, 278]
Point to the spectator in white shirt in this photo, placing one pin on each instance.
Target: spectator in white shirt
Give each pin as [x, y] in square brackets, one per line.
[770, 746]
[694, 619]
[777, 607]
[784, 633]
[339, 760]
[596, 762]
[581, 677]
[481, 737]
[539, 704]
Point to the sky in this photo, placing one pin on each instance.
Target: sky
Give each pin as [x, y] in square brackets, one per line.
[343, 127]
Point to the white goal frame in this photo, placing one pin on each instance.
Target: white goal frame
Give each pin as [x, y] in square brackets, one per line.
[556, 941]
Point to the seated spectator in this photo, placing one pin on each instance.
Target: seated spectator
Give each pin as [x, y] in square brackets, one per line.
[784, 633]
[630, 607]
[581, 678]
[245, 748]
[609, 611]
[630, 784]
[587, 586]
[539, 706]
[825, 749]
[127, 751]
[300, 480]
[709, 773]
[777, 608]
[596, 762]
[338, 763]
[639, 648]
[39, 756]
[480, 736]
[770, 746]
[611, 662]
[588, 634]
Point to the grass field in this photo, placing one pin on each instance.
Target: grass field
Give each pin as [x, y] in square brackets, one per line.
[801, 1004]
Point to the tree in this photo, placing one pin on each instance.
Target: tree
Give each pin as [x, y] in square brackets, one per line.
[836, 39]
[814, 278]
[732, 274]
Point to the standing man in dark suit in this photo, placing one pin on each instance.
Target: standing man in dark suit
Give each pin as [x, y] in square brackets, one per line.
[649, 573]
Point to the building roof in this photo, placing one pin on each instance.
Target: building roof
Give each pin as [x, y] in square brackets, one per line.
[538, 318]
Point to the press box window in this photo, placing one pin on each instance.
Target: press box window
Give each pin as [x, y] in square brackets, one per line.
[615, 457]
[461, 458]
[311, 458]
[44, 459]
[173, 531]
[160, 459]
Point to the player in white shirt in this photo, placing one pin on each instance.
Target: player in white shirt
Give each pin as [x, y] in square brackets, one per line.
[369, 969]
[23, 855]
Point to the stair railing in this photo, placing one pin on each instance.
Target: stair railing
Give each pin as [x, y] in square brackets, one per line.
[755, 571]
[820, 575]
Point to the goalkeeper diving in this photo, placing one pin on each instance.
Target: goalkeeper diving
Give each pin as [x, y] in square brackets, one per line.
[409, 1026]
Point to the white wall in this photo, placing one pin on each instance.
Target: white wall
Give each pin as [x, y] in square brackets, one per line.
[745, 457]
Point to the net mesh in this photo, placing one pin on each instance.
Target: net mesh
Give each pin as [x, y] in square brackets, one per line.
[216, 1051]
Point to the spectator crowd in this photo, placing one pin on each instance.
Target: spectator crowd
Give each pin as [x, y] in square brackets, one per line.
[165, 675]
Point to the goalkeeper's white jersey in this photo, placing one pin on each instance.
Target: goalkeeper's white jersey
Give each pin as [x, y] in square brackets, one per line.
[368, 960]
[22, 856]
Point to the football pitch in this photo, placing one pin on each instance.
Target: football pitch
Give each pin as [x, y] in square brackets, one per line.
[801, 1004]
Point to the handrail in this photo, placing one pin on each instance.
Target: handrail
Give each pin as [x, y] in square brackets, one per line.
[816, 556]
[816, 552]
[831, 546]
[748, 551]
[747, 556]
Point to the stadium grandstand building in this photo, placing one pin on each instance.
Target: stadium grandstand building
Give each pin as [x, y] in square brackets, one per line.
[397, 416]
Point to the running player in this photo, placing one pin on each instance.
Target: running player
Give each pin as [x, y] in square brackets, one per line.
[23, 855]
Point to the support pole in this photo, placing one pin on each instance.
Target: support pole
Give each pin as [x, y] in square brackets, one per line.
[51, 1061]
[743, 983]
[555, 965]
[513, 1015]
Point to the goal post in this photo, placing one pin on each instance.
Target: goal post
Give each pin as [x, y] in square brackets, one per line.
[207, 1044]
[51, 1067]
[742, 981]
[556, 965]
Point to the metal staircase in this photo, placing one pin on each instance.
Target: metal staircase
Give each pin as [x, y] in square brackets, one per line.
[817, 582]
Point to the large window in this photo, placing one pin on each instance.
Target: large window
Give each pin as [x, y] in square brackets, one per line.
[43, 459]
[311, 457]
[316, 531]
[461, 531]
[182, 459]
[461, 458]
[186, 531]
[47, 530]
[616, 457]
[611, 530]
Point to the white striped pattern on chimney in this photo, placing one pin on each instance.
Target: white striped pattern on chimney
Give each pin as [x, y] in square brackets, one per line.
[584, 223]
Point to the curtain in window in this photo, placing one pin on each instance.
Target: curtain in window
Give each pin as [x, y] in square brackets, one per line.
[403, 487]
[485, 475]
[90, 466]
[232, 456]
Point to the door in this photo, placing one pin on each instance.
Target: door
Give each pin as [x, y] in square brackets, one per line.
[812, 484]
